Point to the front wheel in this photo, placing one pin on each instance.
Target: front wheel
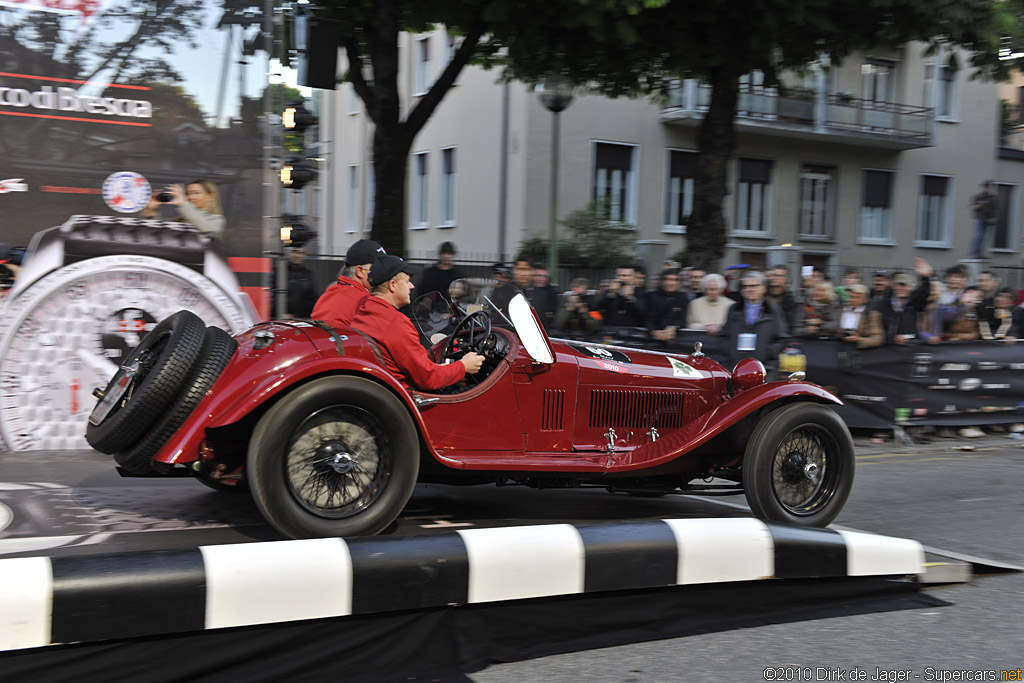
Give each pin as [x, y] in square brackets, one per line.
[798, 466]
[338, 456]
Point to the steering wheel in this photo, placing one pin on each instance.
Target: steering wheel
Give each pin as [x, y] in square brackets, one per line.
[477, 320]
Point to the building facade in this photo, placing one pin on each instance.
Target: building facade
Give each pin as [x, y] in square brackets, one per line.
[868, 163]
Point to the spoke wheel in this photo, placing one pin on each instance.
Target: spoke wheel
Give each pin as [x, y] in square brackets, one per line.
[339, 461]
[338, 456]
[801, 477]
[798, 467]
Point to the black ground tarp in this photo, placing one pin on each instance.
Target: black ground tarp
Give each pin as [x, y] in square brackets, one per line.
[444, 643]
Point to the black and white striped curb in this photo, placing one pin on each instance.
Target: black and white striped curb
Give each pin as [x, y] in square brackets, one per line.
[46, 601]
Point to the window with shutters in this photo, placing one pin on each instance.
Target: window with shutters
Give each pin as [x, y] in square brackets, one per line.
[817, 201]
[418, 208]
[940, 88]
[423, 69]
[352, 199]
[754, 197]
[876, 207]
[446, 211]
[614, 179]
[933, 211]
[1003, 234]
[678, 190]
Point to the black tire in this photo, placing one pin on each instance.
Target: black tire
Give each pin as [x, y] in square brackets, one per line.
[338, 456]
[799, 464]
[218, 347]
[164, 357]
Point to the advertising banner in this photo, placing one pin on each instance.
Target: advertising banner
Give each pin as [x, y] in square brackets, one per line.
[951, 383]
[166, 93]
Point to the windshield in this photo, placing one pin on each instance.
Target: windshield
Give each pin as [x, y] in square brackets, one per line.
[436, 315]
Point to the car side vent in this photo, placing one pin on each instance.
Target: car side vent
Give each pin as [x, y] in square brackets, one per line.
[637, 409]
[552, 410]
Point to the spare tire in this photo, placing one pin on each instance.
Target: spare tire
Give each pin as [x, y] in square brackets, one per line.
[152, 375]
[218, 348]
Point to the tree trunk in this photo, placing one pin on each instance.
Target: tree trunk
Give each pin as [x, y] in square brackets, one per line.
[391, 161]
[390, 142]
[393, 137]
[716, 139]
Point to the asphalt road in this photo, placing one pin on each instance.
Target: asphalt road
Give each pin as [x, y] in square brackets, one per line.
[965, 501]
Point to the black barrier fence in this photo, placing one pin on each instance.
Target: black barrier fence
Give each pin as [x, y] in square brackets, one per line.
[946, 384]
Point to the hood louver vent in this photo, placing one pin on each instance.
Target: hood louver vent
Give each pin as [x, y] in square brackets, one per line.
[637, 409]
[553, 409]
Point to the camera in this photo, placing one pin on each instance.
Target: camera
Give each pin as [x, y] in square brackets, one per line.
[164, 197]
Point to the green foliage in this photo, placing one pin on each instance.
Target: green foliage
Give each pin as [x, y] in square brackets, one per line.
[589, 239]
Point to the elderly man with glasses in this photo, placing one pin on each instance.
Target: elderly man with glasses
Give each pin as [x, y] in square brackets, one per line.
[754, 327]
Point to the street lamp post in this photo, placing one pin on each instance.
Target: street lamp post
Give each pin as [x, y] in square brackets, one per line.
[556, 95]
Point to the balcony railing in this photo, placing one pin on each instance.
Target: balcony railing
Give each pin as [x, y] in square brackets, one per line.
[813, 114]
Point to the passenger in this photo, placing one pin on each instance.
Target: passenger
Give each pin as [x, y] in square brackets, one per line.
[404, 357]
[339, 303]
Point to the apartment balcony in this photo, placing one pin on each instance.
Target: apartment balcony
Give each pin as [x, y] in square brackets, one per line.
[818, 116]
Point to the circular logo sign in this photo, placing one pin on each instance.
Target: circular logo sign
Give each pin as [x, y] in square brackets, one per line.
[126, 192]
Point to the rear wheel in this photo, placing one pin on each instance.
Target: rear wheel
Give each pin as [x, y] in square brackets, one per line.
[338, 456]
[150, 377]
[798, 466]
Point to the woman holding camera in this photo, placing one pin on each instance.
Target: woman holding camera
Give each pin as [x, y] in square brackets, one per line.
[198, 203]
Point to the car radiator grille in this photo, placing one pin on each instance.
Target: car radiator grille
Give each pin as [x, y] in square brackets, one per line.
[638, 409]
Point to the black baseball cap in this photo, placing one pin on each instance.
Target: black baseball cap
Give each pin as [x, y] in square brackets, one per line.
[387, 266]
[363, 251]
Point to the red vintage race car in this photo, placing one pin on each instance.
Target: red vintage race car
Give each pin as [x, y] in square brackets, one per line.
[331, 444]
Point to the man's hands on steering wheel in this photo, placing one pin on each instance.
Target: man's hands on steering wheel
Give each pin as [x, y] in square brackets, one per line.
[476, 327]
[472, 360]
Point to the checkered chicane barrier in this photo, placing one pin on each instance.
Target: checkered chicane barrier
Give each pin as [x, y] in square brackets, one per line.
[45, 601]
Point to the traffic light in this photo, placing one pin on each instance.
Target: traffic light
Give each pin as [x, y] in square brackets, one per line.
[294, 232]
[296, 173]
[295, 119]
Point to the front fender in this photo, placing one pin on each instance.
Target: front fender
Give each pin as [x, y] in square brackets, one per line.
[713, 423]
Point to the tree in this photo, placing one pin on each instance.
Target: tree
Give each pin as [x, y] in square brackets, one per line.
[593, 240]
[368, 31]
[626, 51]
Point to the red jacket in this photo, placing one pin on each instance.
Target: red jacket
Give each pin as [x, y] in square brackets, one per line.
[403, 355]
[338, 305]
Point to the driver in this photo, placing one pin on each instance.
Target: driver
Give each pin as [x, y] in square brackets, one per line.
[404, 357]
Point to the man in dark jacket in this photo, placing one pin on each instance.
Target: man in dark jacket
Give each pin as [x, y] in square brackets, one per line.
[666, 307]
[756, 327]
[543, 296]
[439, 276]
[622, 305]
[900, 306]
[302, 293]
[780, 294]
